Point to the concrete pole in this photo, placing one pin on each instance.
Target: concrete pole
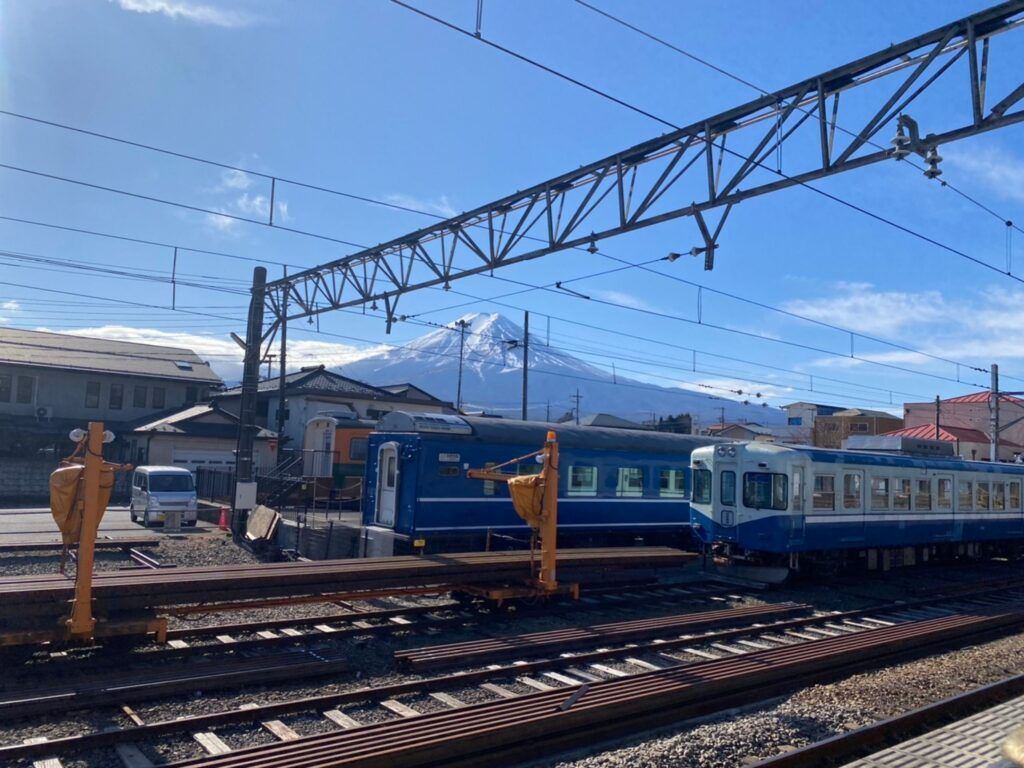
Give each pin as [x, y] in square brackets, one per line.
[281, 399]
[244, 469]
[993, 407]
[526, 358]
[938, 412]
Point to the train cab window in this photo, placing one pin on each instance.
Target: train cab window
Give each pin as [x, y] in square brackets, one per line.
[702, 486]
[998, 496]
[923, 497]
[765, 490]
[1014, 495]
[981, 497]
[851, 491]
[880, 493]
[901, 493]
[966, 495]
[728, 488]
[824, 492]
[944, 493]
[671, 482]
[631, 482]
[582, 481]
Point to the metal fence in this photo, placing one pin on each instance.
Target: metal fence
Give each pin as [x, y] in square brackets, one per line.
[215, 484]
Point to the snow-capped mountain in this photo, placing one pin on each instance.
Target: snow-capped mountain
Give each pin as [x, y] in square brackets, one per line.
[492, 377]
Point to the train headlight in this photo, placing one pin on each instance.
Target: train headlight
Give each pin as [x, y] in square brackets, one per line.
[720, 450]
[731, 450]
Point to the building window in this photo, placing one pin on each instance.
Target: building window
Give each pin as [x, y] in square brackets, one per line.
[631, 482]
[582, 481]
[159, 397]
[26, 389]
[139, 400]
[795, 421]
[824, 492]
[851, 491]
[728, 483]
[357, 448]
[671, 483]
[5, 389]
[92, 394]
[191, 395]
[879, 492]
[858, 426]
[116, 396]
[965, 495]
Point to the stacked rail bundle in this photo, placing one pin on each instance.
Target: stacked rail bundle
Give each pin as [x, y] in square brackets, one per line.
[531, 726]
[556, 641]
[42, 600]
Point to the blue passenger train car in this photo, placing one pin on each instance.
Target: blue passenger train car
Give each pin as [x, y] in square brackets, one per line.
[615, 485]
[777, 505]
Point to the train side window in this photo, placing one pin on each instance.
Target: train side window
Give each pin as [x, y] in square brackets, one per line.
[529, 469]
[966, 495]
[824, 492]
[998, 496]
[357, 448]
[1014, 495]
[923, 497]
[851, 491]
[728, 483]
[880, 493]
[631, 482]
[489, 488]
[981, 498]
[448, 470]
[944, 493]
[798, 489]
[582, 481]
[765, 490]
[901, 493]
[671, 482]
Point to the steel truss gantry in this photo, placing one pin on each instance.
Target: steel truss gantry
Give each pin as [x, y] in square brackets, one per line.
[688, 172]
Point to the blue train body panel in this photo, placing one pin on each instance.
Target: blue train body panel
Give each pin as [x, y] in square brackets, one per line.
[613, 482]
[850, 500]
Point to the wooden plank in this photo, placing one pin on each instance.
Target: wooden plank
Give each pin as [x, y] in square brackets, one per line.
[340, 718]
[132, 757]
[536, 684]
[226, 639]
[498, 690]
[753, 644]
[326, 628]
[697, 652]
[266, 634]
[291, 632]
[211, 743]
[362, 624]
[609, 670]
[46, 762]
[399, 620]
[801, 635]
[279, 729]
[642, 664]
[399, 708]
[131, 714]
[729, 649]
[564, 679]
[582, 675]
[449, 700]
[177, 644]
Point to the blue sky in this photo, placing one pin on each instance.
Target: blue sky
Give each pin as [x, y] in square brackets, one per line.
[366, 97]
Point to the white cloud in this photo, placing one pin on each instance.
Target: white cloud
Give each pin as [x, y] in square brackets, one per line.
[995, 168]
[282, 212]
[253, 205]
[439, 206]
[223, 224]
[232, 179]
[862, 307]
[625, 299]
[11, 305]
[197, 13]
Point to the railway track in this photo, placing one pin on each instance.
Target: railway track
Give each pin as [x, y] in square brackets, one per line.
[558, 670]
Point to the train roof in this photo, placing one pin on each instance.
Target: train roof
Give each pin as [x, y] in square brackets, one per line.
[533, 433]
[837, 456]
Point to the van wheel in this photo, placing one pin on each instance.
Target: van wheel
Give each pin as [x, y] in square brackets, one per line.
[145, 519]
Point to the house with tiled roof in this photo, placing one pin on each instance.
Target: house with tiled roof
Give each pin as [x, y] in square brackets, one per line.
[965, 420]
[830, 431]
[315, 391]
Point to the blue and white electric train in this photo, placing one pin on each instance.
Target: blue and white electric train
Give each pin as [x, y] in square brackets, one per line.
[615, 485]
[775, 505]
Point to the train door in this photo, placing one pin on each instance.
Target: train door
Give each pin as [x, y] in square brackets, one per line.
[796, 530]
[387, 484]
[853, 505]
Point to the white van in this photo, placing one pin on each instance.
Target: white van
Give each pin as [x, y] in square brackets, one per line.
[158, 489]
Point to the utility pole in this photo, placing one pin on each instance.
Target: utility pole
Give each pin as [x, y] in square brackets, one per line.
[269, 359]
[247, 428]
[577, 397]
[282, 373]
[526, 357]
[547, 413]
[721, 421]
[462, 344]
[938, 412]
[993, 407]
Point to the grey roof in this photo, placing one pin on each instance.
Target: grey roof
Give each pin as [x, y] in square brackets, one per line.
[43, 349]
[609, 420]
[866, 413]
[189, 421]
[320, 381]
[532, 434]
[411, 392]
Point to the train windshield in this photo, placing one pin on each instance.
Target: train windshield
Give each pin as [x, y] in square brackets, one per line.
[702, 486]
[765, 490]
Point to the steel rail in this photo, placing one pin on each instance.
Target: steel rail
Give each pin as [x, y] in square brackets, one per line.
[494, 731]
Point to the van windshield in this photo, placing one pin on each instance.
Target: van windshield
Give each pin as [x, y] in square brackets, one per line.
[158, 483]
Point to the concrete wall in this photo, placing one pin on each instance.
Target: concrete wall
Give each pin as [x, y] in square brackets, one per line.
[64, 392]
[27, 481]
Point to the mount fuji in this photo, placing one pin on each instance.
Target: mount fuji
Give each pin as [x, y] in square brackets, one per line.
[492, 378]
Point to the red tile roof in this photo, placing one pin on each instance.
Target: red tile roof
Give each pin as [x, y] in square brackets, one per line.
[983, 397]
[949, 434]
